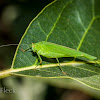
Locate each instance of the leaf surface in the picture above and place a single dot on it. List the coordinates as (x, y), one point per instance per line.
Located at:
(71, 23)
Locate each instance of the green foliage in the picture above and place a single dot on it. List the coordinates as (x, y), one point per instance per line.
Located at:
(71, 23)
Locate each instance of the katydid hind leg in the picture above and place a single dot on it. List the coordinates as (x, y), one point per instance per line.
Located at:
(60, 67)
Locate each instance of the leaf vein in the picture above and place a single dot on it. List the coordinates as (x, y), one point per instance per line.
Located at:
(57, 20)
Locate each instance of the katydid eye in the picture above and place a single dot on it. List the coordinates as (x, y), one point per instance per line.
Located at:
(33, 45)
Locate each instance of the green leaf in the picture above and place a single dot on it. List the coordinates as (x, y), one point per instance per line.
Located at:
(71, 23)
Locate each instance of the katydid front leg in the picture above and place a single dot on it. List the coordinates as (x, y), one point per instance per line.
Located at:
(39, 57)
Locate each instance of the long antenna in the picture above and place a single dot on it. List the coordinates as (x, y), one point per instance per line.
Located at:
(11, 45)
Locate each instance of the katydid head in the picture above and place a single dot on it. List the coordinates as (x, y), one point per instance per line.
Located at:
(33, 47)
(36, 47)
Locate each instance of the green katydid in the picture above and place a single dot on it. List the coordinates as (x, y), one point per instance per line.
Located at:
(51, 50)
